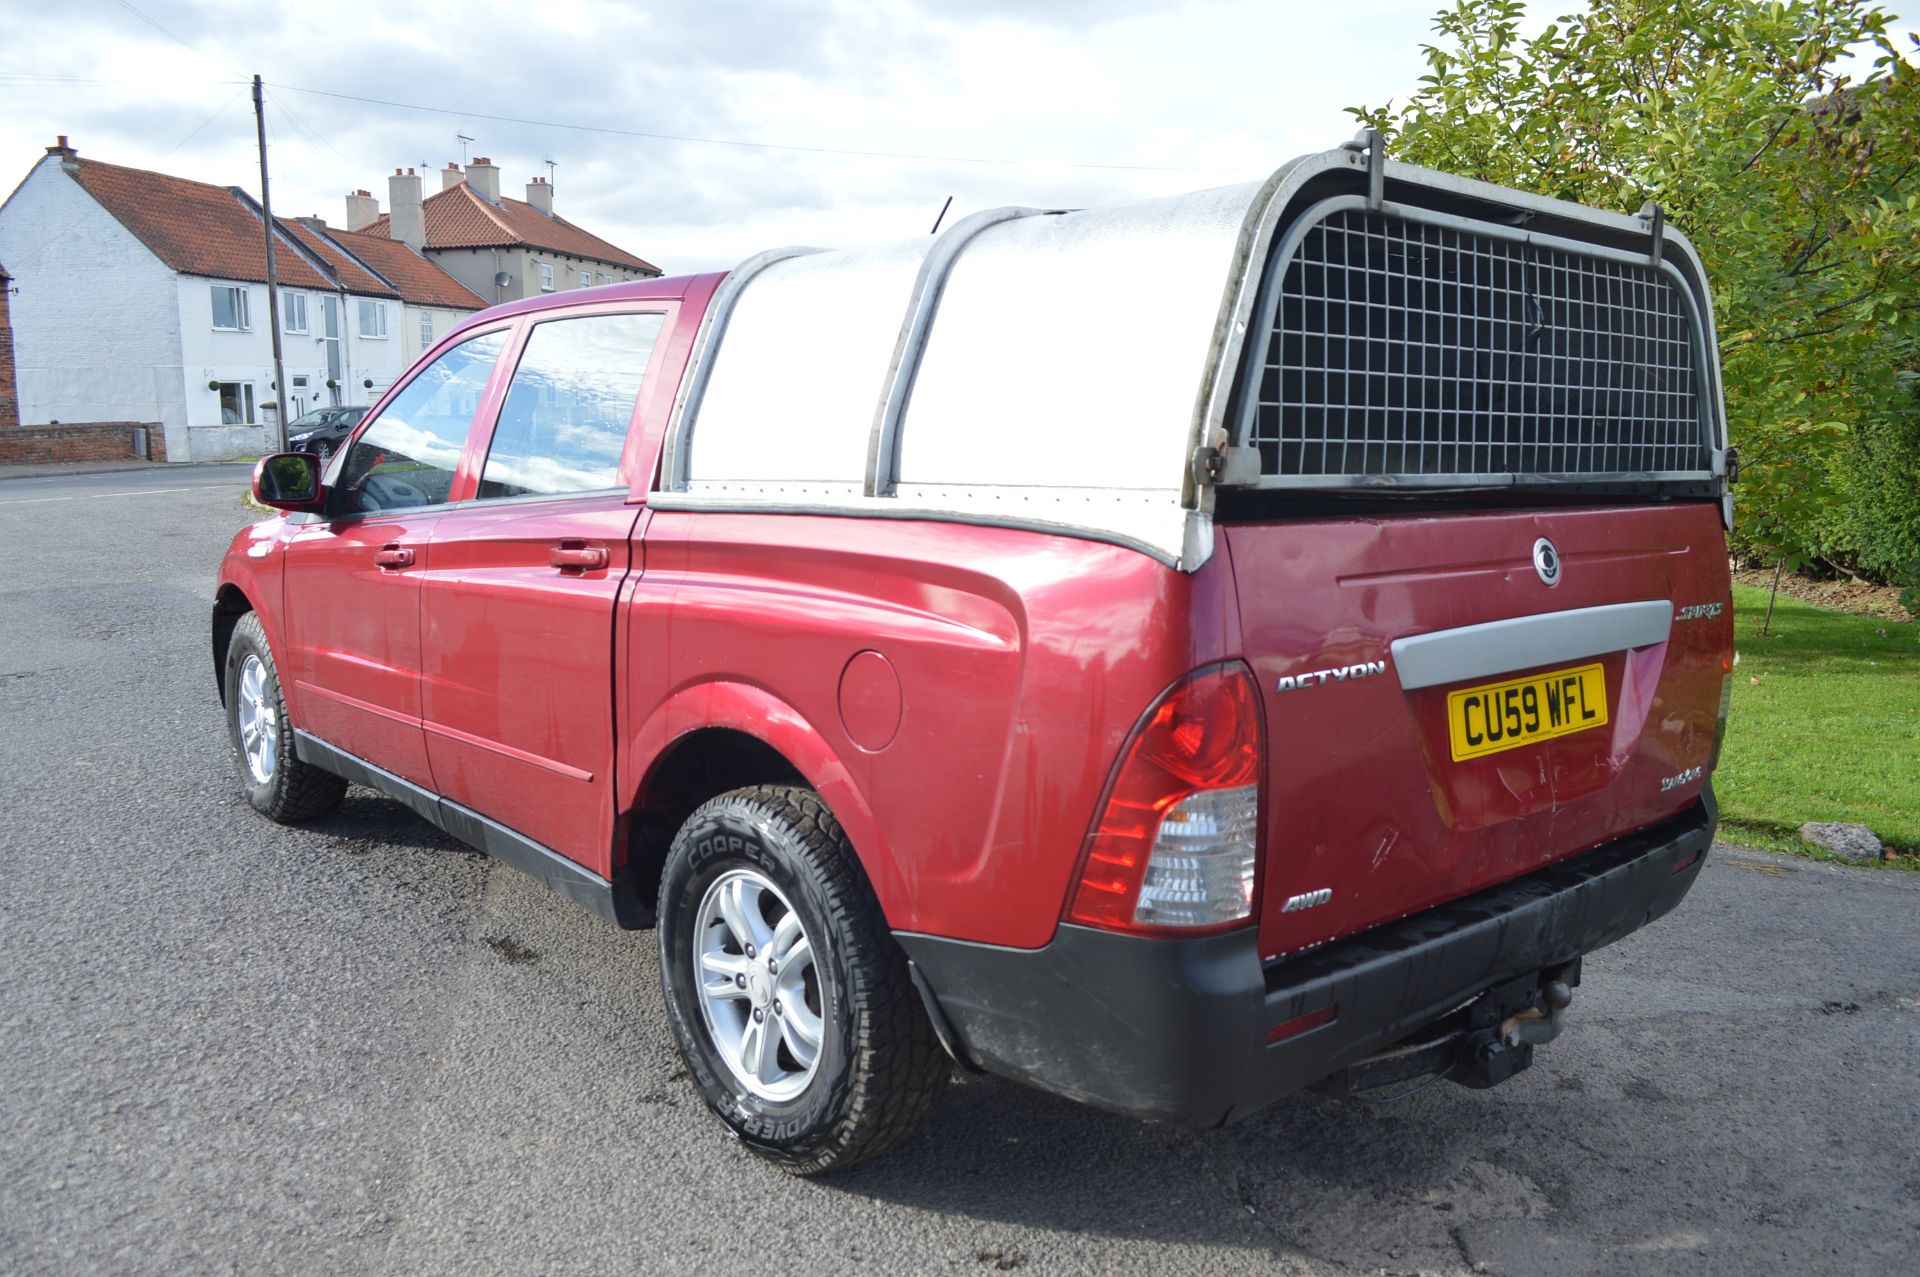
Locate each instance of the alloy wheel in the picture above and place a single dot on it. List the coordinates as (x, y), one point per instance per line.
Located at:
(759, 985)
(259, 721)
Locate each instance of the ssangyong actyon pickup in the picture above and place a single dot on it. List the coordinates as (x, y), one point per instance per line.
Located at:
(1173, 655)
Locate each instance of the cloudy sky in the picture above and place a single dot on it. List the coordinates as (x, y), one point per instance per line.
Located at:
(824, 121)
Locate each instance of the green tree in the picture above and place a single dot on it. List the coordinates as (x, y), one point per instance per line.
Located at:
(1794, 177)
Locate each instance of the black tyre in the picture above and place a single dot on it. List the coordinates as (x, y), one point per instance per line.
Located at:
(790, 1000)
(279, 785)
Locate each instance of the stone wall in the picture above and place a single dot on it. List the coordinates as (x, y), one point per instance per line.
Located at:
(91, 441)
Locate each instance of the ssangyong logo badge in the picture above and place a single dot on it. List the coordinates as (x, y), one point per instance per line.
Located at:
(1546, 561)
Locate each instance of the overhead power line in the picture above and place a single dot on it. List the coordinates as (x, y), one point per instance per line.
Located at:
(156, 26)
(733, 142)
(203, 124)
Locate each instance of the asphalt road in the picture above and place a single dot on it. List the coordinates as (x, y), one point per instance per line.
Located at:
(357, 1047)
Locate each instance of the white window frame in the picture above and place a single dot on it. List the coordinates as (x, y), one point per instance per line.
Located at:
(586, 279)
(546, 277)
(605, 278)
(372, 306)
(289, 303)
(426, 330)
(241, 313)
(243, 392)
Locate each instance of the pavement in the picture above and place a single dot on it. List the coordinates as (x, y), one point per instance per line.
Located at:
(356, 1047)
(68, 469)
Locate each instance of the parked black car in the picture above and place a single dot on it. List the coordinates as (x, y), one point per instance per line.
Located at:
(324, 429)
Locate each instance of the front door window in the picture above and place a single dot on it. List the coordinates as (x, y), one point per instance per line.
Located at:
(407, 457)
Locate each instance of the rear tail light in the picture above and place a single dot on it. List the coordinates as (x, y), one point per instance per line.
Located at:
(1176, 842)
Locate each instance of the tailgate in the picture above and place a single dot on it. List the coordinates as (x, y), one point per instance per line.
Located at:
(1440, 719)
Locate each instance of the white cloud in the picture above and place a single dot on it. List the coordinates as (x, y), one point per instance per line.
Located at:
(1198, 94)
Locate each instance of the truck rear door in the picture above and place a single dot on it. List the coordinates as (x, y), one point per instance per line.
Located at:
(1449, 706)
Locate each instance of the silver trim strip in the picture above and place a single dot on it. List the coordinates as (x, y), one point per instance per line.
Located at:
(713, 327)
(1524, 642)
(883, 445)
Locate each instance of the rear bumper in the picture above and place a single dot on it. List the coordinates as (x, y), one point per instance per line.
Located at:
(1176, 1030)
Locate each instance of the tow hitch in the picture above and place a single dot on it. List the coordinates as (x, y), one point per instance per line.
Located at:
(1481, 1044)
(1504, 1024)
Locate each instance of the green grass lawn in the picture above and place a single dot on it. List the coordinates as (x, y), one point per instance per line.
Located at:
(1824, 725)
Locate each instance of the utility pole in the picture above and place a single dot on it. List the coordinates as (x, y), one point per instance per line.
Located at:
(279, 439)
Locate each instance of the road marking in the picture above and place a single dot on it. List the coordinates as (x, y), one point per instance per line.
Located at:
(136, 492)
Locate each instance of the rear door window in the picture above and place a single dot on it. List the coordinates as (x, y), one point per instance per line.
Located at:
(407, 457)
(564, 424)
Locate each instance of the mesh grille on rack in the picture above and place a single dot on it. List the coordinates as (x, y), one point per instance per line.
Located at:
(1407, 350)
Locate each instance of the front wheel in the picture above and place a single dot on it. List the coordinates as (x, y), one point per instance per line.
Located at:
(790, 1001)
(278, 785)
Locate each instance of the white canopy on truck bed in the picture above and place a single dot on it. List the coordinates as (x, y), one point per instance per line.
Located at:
(1082, 371)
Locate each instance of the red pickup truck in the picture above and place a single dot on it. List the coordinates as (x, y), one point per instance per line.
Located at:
(1172, 655)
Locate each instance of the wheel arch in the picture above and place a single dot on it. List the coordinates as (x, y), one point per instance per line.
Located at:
(718, 736)
(230, 603)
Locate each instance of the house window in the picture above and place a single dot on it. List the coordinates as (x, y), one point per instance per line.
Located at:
(546, 278)
(373, 319)
(293, 312)
(230, 307)
(426, 329)
(236, 402)
(605, 278)
(586, 279)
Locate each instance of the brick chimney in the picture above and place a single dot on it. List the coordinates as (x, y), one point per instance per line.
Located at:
(451, 176)
(69, 158)
(361, 209)
(540, 195)
(406, 221)
(483, 175)
(313, 222)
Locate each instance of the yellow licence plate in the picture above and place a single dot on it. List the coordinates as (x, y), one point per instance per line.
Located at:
(1496, 716)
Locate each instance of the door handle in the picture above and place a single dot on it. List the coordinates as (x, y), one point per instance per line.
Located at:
(393, 556)
(573, 556)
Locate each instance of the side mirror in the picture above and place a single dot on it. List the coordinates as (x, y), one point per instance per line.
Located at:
(288, 481)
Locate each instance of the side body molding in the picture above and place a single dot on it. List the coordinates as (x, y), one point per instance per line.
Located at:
(1523, 642)
(613, 899)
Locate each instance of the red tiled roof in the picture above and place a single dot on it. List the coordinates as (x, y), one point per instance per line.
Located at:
(193, 227)
(458, 218)
(353, 276)
(419, 280)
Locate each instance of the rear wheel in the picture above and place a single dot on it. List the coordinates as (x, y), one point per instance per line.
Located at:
(278, 785)
(790, 1000)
